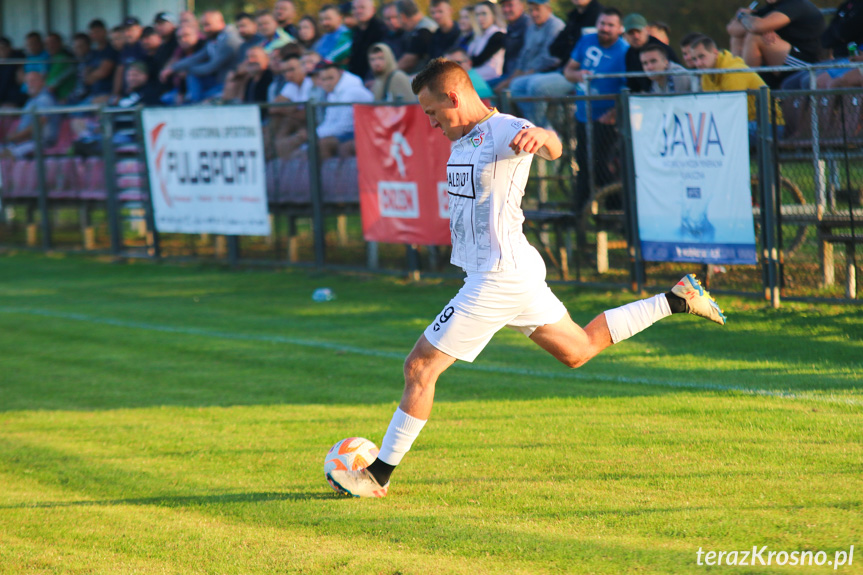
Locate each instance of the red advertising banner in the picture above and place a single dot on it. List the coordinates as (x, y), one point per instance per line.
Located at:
(402, 175)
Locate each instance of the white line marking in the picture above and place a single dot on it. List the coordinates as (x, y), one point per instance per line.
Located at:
(317, 344)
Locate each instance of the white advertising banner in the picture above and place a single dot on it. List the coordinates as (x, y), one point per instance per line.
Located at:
(206, 169)
(692, 178)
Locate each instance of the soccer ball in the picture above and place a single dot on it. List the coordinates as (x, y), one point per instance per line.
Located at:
(351, 453)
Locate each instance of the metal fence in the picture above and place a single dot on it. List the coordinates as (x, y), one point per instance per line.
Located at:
(92, 195)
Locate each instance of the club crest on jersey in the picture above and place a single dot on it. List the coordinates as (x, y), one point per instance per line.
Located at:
(477, 140)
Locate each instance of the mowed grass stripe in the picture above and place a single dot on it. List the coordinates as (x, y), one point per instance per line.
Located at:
(481, 367)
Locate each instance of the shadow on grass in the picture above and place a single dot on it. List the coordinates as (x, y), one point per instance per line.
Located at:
(184, 500)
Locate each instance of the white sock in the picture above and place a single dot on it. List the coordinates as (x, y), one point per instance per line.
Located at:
(626, 321)
(400, 435)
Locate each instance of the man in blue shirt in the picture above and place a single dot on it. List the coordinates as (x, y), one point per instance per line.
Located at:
(600, 53)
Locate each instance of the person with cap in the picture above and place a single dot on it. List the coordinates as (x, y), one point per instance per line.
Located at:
(635, 31)
(369, 31)
(132, 51)
(535, 57)
(207, 69)
(165, 24)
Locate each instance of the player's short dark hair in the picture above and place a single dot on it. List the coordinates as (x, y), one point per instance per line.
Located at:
(611, 11)
(243, 16)
(407, 8)
(687, 40)
(432, 77)
(660, 48)
(704, 41)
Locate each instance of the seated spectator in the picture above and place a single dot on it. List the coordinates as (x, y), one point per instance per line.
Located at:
(447, 34)
(347, 12)
(660, 31)
(851, 78)
(165, 24)
(247, 28)
(845, 28)
(335, 43)
(582, 17)
(187, 18)
(60, 79)
(686, 48)
(535, 57)
(36, 55)
(11, 95)
(99, 66)
(139, 91)
(395, 34)
(666, 77)
(132, 51)
(369, 31)
(635, 32)
(307, 32)
(600, 53)
(336, 132)
(311, 59)
(285, 13)
(274, 36)
(418, 34)
(784, 32)
(390, 84)
(467, 27)
(117, 40)
(259, 76)
(708, 57)
(285, 121)
(20, 143)
(460, 57)
(207, 69)
(517, 22)
(189, 42)
(81, 52)
(486, 51)
(151, 42)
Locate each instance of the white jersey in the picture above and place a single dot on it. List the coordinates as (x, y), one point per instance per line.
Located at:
(485, 181)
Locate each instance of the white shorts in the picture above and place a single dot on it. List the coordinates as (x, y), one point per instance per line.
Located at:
(490, 301)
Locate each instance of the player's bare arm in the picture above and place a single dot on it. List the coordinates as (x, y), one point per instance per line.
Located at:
(544, 143)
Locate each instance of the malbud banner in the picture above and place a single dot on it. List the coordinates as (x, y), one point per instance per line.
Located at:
(692, 178)
(402, 176)
(206, 170)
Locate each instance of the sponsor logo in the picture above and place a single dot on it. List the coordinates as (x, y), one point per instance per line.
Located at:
(460, 180)
(477, 140)
(443, 200)
(398, 200)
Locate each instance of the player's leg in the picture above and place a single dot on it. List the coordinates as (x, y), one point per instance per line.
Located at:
(574, 346)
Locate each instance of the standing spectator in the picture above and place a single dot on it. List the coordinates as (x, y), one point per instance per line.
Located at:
(60, 79)
(247, 28)
(395, 34)
(165, 24)
(151, 42)
(516, 30)
(207, 69)
(307, 32)
(100, 64)
(285, 13)
(460, 57)
(189, 42)
(117, 40)
(10, 88)
(486, 51)
(132, 52)
(20, 142)
(467, 27)
(335, 43)
(369, 31)
(418, 33)
(447, 34)
(636, 33)
(782, 32)
(274, 36)
(668, 77)
(600, 53)
(81, 51)
(535, 57)
(583, 16)
(391, 84)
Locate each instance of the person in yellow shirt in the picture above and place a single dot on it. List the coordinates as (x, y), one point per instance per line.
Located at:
(706, 56)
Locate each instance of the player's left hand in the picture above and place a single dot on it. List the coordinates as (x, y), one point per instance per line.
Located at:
(529, 140)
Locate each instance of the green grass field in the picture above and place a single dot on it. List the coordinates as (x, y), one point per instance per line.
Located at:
(170, 419)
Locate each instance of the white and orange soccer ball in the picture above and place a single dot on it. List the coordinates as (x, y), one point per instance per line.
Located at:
(351, 453)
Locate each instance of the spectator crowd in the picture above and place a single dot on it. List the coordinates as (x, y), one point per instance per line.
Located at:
(359, 52)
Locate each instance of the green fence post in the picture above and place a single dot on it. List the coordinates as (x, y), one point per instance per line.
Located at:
(768, 195)
(315, 183)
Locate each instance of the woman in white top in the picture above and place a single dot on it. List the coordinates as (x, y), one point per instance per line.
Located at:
(487, 49)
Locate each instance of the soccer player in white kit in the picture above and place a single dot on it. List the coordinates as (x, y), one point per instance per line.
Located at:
(505, 285)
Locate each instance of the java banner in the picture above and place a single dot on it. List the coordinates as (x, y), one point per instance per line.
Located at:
(692, 178)
(206, 170)
(402, 176)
